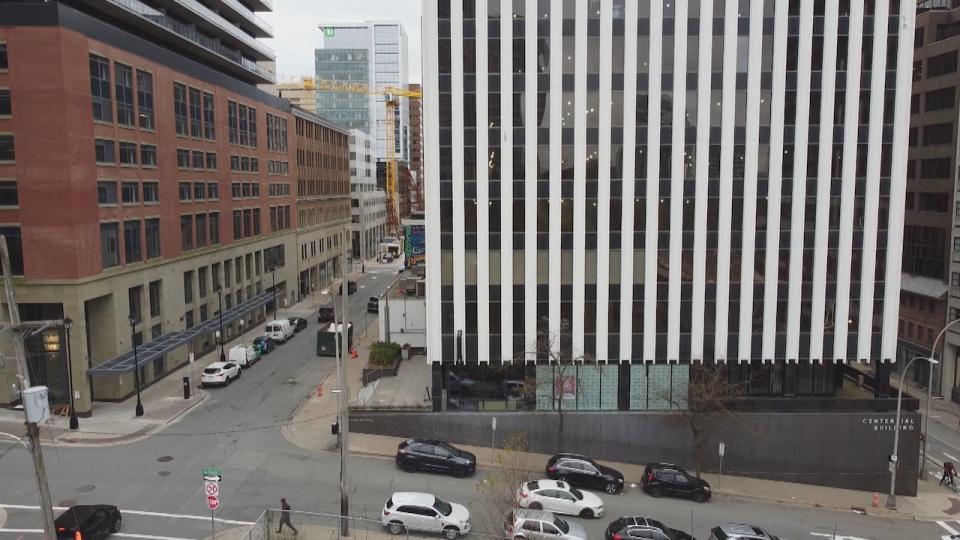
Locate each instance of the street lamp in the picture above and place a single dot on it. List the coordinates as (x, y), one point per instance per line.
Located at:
(242, 342)
(926, 417)
(273, 274)
(74, 423)
(892, 496)
(223, 357)
(136, 364)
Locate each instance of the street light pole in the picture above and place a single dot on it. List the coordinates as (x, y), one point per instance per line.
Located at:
(136, 364)
(220, 334)
(273, 273)
(892, 496)
(74, 423)
(926, 416)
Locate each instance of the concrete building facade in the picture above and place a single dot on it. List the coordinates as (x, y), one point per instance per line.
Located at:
(297, 93)
(416, 151)
(658, 184)
(368, 202)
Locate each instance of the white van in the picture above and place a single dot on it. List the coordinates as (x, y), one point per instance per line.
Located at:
(279, 330)
(244, 355)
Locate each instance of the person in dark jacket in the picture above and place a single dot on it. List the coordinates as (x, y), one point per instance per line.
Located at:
(949, 471)
(285, 517)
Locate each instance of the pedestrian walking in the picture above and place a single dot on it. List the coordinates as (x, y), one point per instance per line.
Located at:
(949, 472)
(285, 517)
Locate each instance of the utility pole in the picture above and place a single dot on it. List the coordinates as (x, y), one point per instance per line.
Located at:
(344, 398)
(33, 431)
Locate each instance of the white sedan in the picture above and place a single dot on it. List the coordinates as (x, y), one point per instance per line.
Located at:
(220, 373)
(559, 497)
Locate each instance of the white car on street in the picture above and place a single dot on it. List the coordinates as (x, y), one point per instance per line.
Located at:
(220, 373)
(559, 497)
(408, 511)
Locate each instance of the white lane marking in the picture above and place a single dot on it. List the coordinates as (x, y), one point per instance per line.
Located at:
(951, 457)
(838, 537)
(139, 513)
(946, 527)
(124, 535)
(943, 442)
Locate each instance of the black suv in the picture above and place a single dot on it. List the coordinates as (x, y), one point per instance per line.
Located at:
(581, 471)
(432, 455)
(661, 479)
(93, 522)
(298, 323)
(638, 527)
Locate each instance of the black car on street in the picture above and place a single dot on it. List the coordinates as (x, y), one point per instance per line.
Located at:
(642, 528)
(437, 456)
(298, 323)
(661, 479)
(583, 472)
(93, 522)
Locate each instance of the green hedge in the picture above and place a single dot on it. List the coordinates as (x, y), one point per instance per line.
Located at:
(383, 353)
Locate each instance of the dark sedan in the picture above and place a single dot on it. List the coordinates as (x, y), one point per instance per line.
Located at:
(583, 472)
(264, 344)
(642, 528)
(298, 323)
(88, 522)
(661, 479)
(437, 456)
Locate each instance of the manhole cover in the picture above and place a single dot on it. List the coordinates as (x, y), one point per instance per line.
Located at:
(68, 502)
(87, 488)
(164, 473)
(164, 459)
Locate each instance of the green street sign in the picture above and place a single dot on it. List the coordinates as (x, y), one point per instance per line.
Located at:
(328, 31)
(211, 471)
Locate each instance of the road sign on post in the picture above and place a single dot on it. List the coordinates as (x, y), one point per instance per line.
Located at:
(211, 492)
(722, 450)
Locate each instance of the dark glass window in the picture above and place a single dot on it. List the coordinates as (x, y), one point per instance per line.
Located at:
(153, 238)
(15, 247)
(148, 155)
(215, 229)
(232, 122)
(938, 100)
(7, 149)
(131, 241)
(109, 244)
(124, 78)
(209, 129)
(8, 193)
(107, 193)
(100, 88)
(104, 151)
(196, 124)
(151, 192)
(130, 192)
(942, 64)
(183, 158)
(4, 64)
(6, 107)
(128, 153)
(186, 233)
(180, 108)
(184, 189)
(145, 99)
(212, 161)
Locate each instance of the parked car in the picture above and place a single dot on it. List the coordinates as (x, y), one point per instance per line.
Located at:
(373, 305)
(459, 383)
(279, 330)
(243, 355)
(326, 314)
(351, 287)
(220, 374)
(423, 512)
(736, 531)
(642, 528)
(264, 344)
(540, 525)
(387, 258)
(432, 455)
(298, 324)
(512, 387)
(581, 471)
(661, 479)
(559, 497)
(91, 521)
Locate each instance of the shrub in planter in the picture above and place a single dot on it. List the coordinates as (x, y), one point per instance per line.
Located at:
(383, 353)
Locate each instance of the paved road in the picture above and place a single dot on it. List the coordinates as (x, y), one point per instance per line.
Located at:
(235, 429)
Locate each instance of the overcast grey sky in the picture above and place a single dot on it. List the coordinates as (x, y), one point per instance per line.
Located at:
(295, 27)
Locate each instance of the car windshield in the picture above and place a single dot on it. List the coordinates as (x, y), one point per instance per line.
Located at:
(562, 525)
(577, 493)
(443, 507)
(211, 370)
(452, 450)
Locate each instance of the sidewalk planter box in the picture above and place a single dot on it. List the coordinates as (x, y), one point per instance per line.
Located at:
(374, 373)
(383, 361)
(328, 337)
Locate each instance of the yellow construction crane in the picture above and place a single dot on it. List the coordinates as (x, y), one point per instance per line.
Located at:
(391, 100)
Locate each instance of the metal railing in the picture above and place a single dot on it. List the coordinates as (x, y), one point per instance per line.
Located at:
(217, 20)
(246, 13)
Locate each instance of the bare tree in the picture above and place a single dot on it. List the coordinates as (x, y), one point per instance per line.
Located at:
(561, 386)
(498, 488)
(706, 405)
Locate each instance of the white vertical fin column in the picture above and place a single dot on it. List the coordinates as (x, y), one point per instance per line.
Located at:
(629, 176)
(456, 94)
(821, 245)
(677, 172)
(650, 259)
(530, 182)
(556, 111)
(580, 176)
(431, 138)
(872, 196)
(603, 177)
(849, 179)
(775, 188)
(703, 174)
(483, 188)
(755, 40)
(898, 174)
(506, 180)
(801, 136)
(728, 116)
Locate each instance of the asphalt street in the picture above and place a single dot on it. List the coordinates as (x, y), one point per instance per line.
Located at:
(157, 482)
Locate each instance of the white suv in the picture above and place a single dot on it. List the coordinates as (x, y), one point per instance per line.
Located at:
(558, 496)
(412, 511)
(525, 524)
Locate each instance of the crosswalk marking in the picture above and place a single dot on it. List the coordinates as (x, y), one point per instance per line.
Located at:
(947, 528)
(122, 535)
(138, 513)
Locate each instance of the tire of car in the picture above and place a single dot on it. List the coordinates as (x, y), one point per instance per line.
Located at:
(116, 524)
(612, 488)
(700, 497)
(460, 471)
(656, 492)
(396, 527)
(536, 506)
(586, 513)
(451, 532)
(409, 466)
